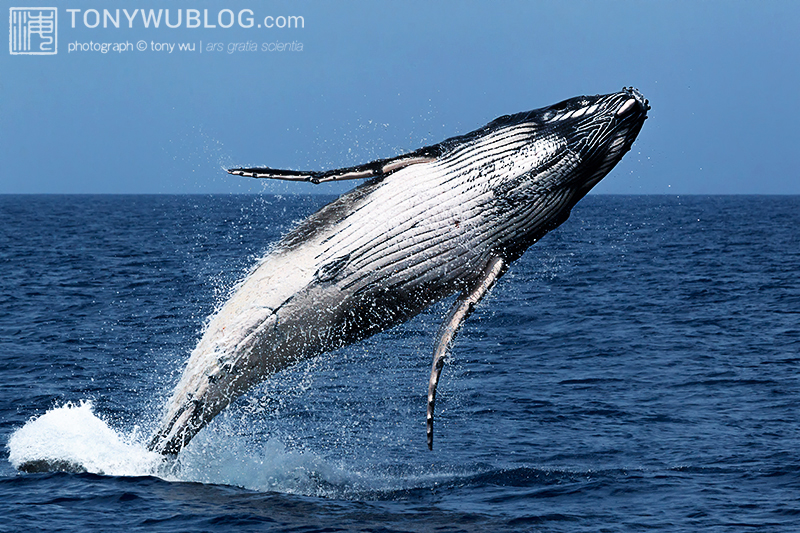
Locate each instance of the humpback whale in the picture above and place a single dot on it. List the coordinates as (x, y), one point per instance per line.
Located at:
(444, 219)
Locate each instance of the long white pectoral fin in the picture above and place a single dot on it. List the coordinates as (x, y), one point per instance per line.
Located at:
(461, 309)
(376, 169)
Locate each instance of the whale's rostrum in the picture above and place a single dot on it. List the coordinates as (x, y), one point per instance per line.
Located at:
(444, 219)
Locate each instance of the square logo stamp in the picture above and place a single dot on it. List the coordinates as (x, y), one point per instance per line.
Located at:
(33, 30)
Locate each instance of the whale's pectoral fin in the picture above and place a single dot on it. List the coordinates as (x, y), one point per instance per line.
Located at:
(376, 169)
(461, 309)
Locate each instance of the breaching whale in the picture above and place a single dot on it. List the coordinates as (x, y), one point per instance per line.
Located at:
(444, 219)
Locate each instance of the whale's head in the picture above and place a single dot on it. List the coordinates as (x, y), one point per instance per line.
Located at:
(553, 156)
(596, 131)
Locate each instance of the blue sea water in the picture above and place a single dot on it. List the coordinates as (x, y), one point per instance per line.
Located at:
(635, 370)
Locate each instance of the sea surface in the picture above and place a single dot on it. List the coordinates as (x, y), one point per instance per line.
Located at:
(636, 370)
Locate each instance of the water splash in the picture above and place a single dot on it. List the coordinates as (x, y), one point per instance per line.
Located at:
(72, 438)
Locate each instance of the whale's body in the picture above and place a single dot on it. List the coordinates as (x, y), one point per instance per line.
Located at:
(447, 218)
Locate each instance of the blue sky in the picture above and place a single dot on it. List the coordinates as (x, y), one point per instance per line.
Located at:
(375, 79)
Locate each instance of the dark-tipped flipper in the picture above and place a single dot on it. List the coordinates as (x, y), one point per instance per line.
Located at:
(461, 309)
(376, 169)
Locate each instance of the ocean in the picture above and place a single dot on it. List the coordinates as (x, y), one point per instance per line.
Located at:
(635, 370)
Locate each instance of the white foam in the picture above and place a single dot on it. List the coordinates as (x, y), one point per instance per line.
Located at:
(73, 435)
